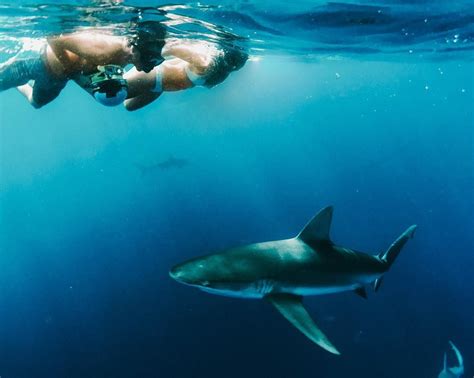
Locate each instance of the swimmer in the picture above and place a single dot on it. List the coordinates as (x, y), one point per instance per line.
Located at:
(93, 59)
(187, 64)
(455, 371)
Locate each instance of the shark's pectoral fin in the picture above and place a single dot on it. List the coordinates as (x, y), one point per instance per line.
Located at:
(291, 307)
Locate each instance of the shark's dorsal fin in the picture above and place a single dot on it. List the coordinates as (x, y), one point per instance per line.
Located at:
(317, 229)
(291, 307)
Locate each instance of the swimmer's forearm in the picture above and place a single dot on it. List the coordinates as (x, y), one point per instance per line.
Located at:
(177, 51)
(139, 102)
(185, 53)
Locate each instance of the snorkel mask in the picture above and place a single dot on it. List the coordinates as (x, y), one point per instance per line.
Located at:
(149, 61)
(108, 85)
(148, 40)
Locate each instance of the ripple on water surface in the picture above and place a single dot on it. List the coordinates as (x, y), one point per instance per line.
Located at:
(388, 30)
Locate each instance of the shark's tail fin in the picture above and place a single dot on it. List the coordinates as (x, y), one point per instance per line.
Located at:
(456, 370)
(391, 254)
(394, 250)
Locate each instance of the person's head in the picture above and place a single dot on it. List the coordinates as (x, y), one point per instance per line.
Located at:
(108, 85)
(147, 42)
(232, 59)
(235, 58)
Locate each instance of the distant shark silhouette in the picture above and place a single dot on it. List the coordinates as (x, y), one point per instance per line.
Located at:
(456, 371)
(284, 271)
(170, 163)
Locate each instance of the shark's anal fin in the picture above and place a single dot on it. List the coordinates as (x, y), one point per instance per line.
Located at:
(317, 229)
(291, 307)
(360, 291)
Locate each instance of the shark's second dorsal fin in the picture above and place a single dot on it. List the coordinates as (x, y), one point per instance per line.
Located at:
(317, 229)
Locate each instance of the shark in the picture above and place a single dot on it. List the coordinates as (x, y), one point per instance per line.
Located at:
(170, 163)
(284, 271)
(455, 371)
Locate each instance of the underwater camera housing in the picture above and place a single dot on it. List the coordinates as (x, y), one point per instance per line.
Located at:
(108, 85)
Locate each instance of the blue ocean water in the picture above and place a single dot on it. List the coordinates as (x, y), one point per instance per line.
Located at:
(337, 107)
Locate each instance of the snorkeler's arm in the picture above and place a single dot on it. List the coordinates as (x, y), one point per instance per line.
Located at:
(171, 73)
(142, 87)
(91, 46)
(198, 63)
(139, 102)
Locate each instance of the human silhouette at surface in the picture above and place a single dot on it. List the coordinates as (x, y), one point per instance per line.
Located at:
(188, 63)
(93, 59)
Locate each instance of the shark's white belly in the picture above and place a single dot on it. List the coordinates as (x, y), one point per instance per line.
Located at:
(304, 291)
(263, 287)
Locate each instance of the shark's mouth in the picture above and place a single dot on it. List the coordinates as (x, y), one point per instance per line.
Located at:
(231, 293)
(235, 289)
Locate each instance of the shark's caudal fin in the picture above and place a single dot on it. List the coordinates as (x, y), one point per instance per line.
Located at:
(394, 250)
(456, 370)
(291, 307)
(317, 229)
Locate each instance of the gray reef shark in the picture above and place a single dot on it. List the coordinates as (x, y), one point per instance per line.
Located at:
(284, 271)
(455, 371)
(170, 163)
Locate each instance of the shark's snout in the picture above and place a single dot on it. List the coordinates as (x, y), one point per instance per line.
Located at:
(175, 274)
(191, 273)
(182, 274)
